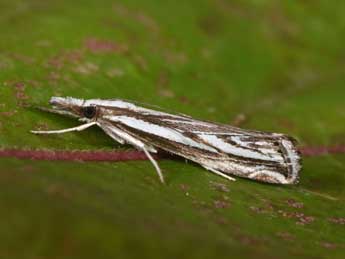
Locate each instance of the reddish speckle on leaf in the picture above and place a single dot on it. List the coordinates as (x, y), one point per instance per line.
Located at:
(86, 68)
(248, 240)
(257, 210)
(184, 99)
(184, 187)
(19, 85)
(53, 76)
(219, 187)
(285, 235)
(239, 119)
(222, 220)
(301, 218)
(33, 83)
(140, 62)
(148, 22)
(23, 58)
(220, 204)
(163, 85)
(138, 16)
(19, 93)
(335, 220)
(287, 124)
(57, 190)
(328, 245)
(115, 72)
(294, 204)
(99, 46)
(43, 43)
(175, 57)
(166, 93)
(7, 114)
(65, 57)
(322, 150)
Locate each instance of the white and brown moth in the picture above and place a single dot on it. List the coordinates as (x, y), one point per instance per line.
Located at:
(221, 149)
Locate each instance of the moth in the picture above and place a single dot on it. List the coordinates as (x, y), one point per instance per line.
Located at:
(222, 149)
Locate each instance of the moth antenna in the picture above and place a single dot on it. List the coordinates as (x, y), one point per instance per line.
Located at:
(52, 110)
(78, 128)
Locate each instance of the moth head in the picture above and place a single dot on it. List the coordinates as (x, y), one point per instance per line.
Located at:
(72, 107)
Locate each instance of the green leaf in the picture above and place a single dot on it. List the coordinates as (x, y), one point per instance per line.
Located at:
(277, 65)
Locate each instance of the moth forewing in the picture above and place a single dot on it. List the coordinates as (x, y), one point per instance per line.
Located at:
(256, 155)
(221, 149)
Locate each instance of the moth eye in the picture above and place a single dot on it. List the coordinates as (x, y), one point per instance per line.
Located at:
(89, 112)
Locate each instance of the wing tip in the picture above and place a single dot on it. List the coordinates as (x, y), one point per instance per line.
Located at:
(293, 159)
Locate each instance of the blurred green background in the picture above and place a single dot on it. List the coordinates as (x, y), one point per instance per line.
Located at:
(268, 65)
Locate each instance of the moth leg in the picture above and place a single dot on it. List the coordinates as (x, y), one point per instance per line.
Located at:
(155, 164)
(112, 134)
(120, 134)
(78, 128)
(219, 173)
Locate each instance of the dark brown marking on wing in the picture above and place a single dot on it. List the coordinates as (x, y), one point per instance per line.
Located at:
(184, 125)
(194, 153)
